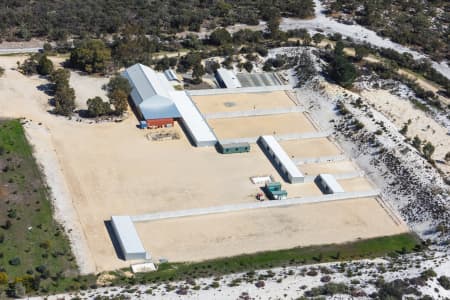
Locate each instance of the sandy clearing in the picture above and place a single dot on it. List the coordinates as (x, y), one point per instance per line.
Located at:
(357, 184)
(111, 168)
(399, 111)
(86, 87)
(245, 101)
(337, 167)
(261, 125)
(197, 238)
(306, 148)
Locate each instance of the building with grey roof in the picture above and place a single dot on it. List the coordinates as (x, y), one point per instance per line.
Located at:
(227, 78)
(150, 94)
(328, 184)
(129, 241)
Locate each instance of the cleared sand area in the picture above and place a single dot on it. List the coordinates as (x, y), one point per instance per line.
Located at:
(400, 111)
(113, 169)
(261, 125)
(357, 184)
(246, 101)
(308, 148)
(337, 167)
(203, 237)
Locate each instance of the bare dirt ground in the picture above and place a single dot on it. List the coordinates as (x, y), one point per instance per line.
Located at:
(104, 169)
(261, 125)
(399, 111)
(357, 184)
(238, 102)
(87, 87)
(337, 167)
(198, 238)
(308, 148)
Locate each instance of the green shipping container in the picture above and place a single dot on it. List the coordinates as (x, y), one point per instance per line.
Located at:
(273, 186)
(278, 195)
(234, 148)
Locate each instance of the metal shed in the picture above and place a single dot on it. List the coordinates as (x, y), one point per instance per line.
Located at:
(150, 93)
(280, 159)
(227, 78)
(233, 148)
(328, 184)
(129, 241)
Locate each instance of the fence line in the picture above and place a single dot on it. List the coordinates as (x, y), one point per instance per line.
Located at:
(252, 205)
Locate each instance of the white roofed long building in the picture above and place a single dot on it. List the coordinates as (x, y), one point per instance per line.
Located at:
(281, 160)
(150, 95)
(159, 104)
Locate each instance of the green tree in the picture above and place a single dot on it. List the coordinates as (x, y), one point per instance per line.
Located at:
(220, 37)
(91, 56)
(447, 157)
(361, 52)
(197, 73)
(416, 142)
(97, 108)
(118, 83)
(342, 71)
(273, 27)
(339, 48)
(29, 66)
(318, 37)
(305, 69)
(60, 77)
(119, 99)
(45, 66)
(248, 66)
(64, 100)
(428, 150)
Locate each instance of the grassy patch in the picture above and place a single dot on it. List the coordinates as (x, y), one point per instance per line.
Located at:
(297, 256)
(32, 243)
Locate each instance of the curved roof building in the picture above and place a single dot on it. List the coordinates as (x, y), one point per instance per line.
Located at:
(150, 93)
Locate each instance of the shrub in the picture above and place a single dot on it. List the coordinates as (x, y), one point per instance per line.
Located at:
(3, 278)
(427, 274)
(444, 281)
(14, 261)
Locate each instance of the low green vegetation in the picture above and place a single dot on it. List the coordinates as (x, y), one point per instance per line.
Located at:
(34, 250)
(341, 69)
(35, 256)
(36, 64)
(375, 247)
(64, 100)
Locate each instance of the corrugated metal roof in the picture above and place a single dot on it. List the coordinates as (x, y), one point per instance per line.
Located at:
(332, 183)
(127, 235)
(229, 78)
(288, 164)
(170, 74)
(151, 92)
(193, 119)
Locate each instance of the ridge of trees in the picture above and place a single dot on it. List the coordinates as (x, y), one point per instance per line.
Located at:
(60, 19)
(422, 24)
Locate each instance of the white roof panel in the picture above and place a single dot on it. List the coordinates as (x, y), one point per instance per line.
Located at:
(150, 92)
(192, 118)
(229, 78)
(332, 183)
(127, 234)
(288, 164)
